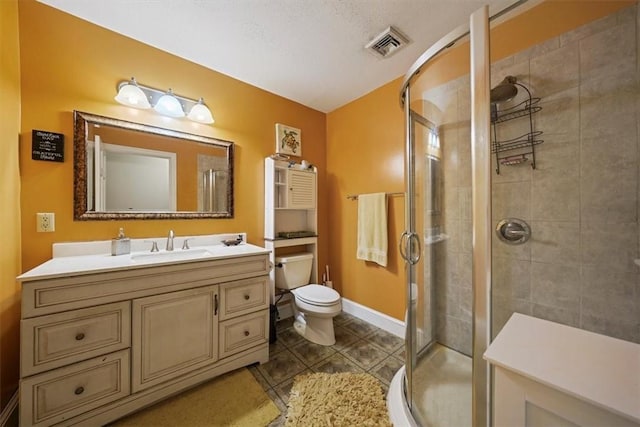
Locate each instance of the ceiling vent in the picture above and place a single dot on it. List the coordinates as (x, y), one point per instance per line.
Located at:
(387, 42)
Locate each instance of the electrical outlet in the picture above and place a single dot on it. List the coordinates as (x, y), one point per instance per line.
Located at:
(45, 222)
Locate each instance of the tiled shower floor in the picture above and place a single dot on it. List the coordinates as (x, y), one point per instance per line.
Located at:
(359, 347)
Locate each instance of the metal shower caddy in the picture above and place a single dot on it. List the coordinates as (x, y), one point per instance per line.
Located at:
(524, 143)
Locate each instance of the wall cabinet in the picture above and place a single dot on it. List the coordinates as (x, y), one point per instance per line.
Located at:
(97, 346)
(290, 201)
(294, 189)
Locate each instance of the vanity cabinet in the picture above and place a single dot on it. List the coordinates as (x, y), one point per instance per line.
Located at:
(99, 345)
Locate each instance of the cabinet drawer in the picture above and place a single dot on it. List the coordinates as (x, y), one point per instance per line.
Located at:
(60, 339)
(243, 296)
(58, 395)
(243, 333)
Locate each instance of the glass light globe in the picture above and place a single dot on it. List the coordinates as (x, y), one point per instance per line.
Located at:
(168, 105)
(131, 95)
(200, 113)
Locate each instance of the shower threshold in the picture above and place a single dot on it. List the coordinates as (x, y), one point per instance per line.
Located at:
(441, 391)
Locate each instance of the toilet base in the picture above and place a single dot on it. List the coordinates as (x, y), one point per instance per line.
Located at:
(315, 329)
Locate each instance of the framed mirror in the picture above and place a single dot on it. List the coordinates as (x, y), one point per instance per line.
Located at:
(127, 170)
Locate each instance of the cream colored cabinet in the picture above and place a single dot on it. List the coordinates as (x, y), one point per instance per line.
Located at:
(100, 345)
(173, 333)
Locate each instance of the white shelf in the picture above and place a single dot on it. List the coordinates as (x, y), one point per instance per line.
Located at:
(283, 243)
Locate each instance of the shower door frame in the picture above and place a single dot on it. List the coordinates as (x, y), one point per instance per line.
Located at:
(479, 33)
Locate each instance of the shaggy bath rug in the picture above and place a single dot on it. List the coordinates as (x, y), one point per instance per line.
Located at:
(342, 399)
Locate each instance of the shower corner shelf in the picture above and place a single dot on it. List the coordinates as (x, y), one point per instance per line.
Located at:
(524, 143)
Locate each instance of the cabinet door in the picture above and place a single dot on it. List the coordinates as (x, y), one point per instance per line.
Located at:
(302, 189)
(172, 334)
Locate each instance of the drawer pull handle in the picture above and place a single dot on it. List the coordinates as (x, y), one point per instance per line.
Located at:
(246, 297)
(80, 336)
(79, 390)
(246, 333)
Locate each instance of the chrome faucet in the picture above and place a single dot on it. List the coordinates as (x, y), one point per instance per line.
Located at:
(170, 240)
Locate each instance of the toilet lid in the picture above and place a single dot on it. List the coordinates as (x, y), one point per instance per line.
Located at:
(317, 295)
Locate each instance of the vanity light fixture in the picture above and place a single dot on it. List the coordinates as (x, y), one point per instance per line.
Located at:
(200, 113)
(132, 94)
(168, 105)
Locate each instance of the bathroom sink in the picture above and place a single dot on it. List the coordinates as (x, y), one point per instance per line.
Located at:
(176, 255)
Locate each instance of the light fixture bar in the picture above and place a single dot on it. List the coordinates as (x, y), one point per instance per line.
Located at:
(153, 95)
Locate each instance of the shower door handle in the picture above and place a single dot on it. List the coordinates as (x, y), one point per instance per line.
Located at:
(406, 241)
(413, 237)
(403, 244)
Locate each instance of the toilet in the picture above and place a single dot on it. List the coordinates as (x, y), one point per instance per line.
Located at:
(314, 306)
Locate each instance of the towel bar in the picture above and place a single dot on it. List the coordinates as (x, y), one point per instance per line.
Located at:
(355, 196)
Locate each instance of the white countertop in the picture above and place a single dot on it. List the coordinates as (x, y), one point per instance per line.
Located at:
(95, 257)
(595, 368)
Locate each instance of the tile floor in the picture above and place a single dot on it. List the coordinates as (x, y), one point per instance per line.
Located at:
(359, 347)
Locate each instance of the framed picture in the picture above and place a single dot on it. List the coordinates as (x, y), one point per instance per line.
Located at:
(288, 140)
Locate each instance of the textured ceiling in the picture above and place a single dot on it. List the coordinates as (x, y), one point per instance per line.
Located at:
(309, 51)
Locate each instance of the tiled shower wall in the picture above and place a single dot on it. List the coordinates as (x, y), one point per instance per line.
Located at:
(581, 201)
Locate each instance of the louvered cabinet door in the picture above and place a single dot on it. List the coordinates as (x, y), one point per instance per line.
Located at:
(301, 190)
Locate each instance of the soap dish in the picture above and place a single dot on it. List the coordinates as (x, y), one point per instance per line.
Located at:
(231, 242)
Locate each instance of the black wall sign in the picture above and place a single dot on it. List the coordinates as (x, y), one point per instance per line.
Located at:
(47, 146)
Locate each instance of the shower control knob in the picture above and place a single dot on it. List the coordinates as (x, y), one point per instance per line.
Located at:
(513, 231)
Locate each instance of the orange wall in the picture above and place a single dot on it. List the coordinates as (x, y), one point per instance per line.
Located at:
(69, 64)
(365, 149)
(9, 199)
(365, 154)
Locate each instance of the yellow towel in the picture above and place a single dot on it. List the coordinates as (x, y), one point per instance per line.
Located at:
(372, 228)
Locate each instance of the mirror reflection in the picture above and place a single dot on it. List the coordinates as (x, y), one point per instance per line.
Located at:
(128, 170)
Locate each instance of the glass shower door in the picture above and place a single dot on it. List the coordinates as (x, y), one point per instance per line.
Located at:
(439, 177)
(439, 237)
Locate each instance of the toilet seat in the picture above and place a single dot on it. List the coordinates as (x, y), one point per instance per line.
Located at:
(317, 295)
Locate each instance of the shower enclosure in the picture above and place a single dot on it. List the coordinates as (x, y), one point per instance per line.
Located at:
(521, 198)
(214, 191)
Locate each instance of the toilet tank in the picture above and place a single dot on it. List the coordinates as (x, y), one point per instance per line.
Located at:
(293, 270)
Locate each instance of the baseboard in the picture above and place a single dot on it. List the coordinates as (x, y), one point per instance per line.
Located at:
(7, 412)
(381, 320)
